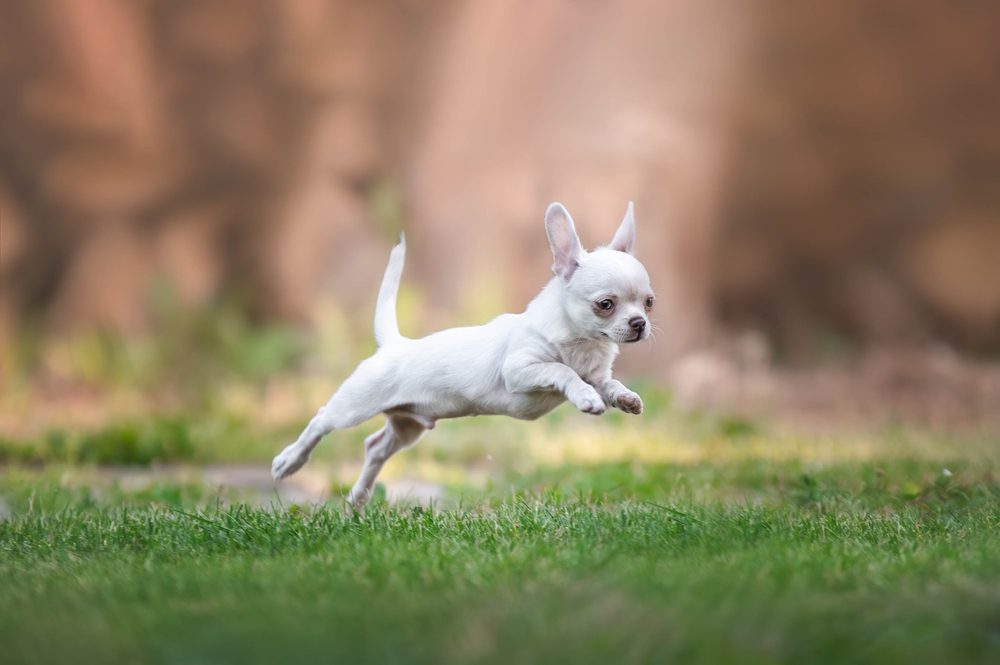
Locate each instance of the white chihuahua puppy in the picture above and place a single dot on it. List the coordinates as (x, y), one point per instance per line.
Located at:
(522, 365)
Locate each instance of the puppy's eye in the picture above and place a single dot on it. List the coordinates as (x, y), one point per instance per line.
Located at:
(649, 302)
(607, 304)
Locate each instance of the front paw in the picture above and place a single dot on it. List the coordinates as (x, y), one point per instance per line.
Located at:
(587, 400)
(629, 402)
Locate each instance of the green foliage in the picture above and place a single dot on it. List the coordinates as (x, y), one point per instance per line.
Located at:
(386, 202)
(158, 439)
(165, 439)
(735, 427)
(191, 354)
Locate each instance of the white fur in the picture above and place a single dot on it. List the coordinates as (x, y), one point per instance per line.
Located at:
(522, 365)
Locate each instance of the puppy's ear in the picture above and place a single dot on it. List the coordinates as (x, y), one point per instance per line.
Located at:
(624, 240)
(565, 244)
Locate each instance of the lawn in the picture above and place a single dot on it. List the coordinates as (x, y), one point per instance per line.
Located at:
(619, 540)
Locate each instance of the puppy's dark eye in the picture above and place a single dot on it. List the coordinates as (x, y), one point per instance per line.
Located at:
(649, 302)
(607, 304)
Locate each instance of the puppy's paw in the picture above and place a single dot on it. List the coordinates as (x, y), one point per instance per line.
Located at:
(288, 462)
(587, 400)
(357, 499)
(629, 402)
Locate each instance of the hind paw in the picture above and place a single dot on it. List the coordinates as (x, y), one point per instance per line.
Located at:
(288, 462)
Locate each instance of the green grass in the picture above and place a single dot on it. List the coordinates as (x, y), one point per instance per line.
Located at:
(674, 537)
(570, 576)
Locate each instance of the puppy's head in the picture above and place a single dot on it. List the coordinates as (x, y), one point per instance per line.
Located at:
(607, 292)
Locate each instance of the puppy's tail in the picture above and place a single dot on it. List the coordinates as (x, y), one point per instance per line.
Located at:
(386, 326)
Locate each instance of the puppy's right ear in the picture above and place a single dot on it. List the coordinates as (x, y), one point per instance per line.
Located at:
(565, 244)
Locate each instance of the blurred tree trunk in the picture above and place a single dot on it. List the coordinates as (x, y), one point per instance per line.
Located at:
(798, 169)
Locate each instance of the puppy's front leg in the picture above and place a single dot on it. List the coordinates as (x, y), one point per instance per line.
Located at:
(617, 395)
(523, 378)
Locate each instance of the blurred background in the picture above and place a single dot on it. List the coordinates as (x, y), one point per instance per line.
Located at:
(196, 193)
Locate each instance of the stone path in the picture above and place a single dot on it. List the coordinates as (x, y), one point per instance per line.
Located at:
(253, 484)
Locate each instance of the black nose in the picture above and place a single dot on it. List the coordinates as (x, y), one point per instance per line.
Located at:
(637, 323)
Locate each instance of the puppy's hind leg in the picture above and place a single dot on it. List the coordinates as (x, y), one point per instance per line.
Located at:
(400, 431)
(347, 408)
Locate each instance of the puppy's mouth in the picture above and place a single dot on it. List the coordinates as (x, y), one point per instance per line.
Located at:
(637, 337)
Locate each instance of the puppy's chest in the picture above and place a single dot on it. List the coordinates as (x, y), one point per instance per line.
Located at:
(587, 359)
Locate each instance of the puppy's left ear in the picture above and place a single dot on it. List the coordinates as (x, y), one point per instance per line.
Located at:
(624, 240)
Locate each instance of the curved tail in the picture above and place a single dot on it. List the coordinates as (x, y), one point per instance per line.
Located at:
(386, 326)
